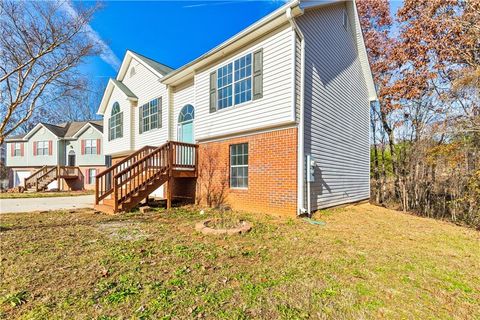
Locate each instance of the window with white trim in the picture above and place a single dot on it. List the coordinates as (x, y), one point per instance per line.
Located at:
(115, 123)
(243, 79)
(239, 165)
(234, 82)
(42, 148)
(150, 116)
(17, 149)
(91, 146)
(91, 175)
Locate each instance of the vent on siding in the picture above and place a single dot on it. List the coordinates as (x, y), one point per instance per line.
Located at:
(132, 72)
(345, 19)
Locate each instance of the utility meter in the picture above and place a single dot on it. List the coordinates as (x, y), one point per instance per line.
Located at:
(310, 169)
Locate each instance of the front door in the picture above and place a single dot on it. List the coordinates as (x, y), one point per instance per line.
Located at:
(71, 159)
(185, 155)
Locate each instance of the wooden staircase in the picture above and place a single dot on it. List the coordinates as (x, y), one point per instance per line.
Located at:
(124, 185)
(41, 178)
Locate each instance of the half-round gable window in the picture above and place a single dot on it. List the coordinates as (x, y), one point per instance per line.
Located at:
(115, 108)
(187, 114)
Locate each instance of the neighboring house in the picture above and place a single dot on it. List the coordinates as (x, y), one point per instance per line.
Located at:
(3, 168)
(75, 149)
(292, 87)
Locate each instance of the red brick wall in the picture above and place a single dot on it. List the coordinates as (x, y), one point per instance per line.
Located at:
(272, 173)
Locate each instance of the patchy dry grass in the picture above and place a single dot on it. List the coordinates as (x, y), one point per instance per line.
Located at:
(47, 194)
(366, 262)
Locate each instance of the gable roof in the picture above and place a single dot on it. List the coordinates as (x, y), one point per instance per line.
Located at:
(108, 93)
(159, 67)
(120, 85)
(267, 24)
(64, 130)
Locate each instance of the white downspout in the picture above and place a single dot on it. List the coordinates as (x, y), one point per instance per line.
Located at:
(301, 150)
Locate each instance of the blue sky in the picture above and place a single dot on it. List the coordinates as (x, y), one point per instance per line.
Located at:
(171, 32)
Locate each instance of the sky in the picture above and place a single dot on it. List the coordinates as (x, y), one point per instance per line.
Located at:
(171, 32)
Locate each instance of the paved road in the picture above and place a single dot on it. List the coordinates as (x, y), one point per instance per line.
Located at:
(45, 204)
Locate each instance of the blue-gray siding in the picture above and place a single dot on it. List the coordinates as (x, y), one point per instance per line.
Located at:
(336, 109)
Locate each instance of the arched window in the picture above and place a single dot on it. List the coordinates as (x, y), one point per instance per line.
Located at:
(115, 123)
(187, 114)
(115, 108)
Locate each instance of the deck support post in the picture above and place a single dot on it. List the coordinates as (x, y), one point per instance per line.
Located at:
(169, 192)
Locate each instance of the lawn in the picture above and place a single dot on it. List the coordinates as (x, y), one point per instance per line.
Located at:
(366, 262)
(47, 194)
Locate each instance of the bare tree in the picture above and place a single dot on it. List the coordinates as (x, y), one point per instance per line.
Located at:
(41, 46)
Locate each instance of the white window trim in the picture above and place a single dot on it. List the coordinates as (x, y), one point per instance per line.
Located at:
(237, 166)
(159, 119)
(15, 149)
(45, 147)
(233, 82)
(120, 124)
(93, 145)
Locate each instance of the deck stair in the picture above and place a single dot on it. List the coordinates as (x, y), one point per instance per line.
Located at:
(125, 184)
(41, 178)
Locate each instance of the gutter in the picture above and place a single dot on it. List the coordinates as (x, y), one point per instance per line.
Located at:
(300, 138)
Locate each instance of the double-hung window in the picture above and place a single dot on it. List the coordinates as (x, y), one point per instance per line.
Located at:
(150, 115)
(91, 175)
(239, 165)
(115, 123)
(17, 151)
(91, 146)
(234, 82)
(243, 79)
(42, 148)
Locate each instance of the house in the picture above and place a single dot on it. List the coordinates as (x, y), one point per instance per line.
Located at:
(66, 156)
(274, 119)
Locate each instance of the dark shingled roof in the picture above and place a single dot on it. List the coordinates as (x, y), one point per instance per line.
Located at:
(64, 130)
(160, 67)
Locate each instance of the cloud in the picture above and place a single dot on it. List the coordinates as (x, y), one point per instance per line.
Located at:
(107, 54)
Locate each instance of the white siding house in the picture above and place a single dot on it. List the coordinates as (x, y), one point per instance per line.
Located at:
(302, 67)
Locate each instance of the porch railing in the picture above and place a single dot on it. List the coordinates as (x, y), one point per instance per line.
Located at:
(104, 179)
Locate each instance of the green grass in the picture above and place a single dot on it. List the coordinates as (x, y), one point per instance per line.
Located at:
(48, 194)
(366, 262)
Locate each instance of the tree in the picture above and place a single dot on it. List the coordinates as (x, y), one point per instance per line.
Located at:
(41, 45)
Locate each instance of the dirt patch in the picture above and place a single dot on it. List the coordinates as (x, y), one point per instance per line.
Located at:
(123, 230)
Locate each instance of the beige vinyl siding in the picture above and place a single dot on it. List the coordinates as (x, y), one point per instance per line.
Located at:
(123, 144)
(183, 95)
(146, 86)
(336, 109)
(275, 108)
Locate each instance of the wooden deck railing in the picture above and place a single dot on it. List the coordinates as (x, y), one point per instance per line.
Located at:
(48, 173)
(162, 161)
(104, 180)
(32, 180)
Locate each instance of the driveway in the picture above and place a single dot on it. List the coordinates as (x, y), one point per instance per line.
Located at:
(45, 204)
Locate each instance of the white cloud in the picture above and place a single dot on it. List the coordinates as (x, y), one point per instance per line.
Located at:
(107, 54)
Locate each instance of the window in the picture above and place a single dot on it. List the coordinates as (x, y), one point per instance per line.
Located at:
(115, 123)
(150, 115)
(187, 114)
(90, 146)
(42, 148)
(91, 175)
(17, 150)
(239, 165)
(239, 86)
(224, 84)
(243, 79)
